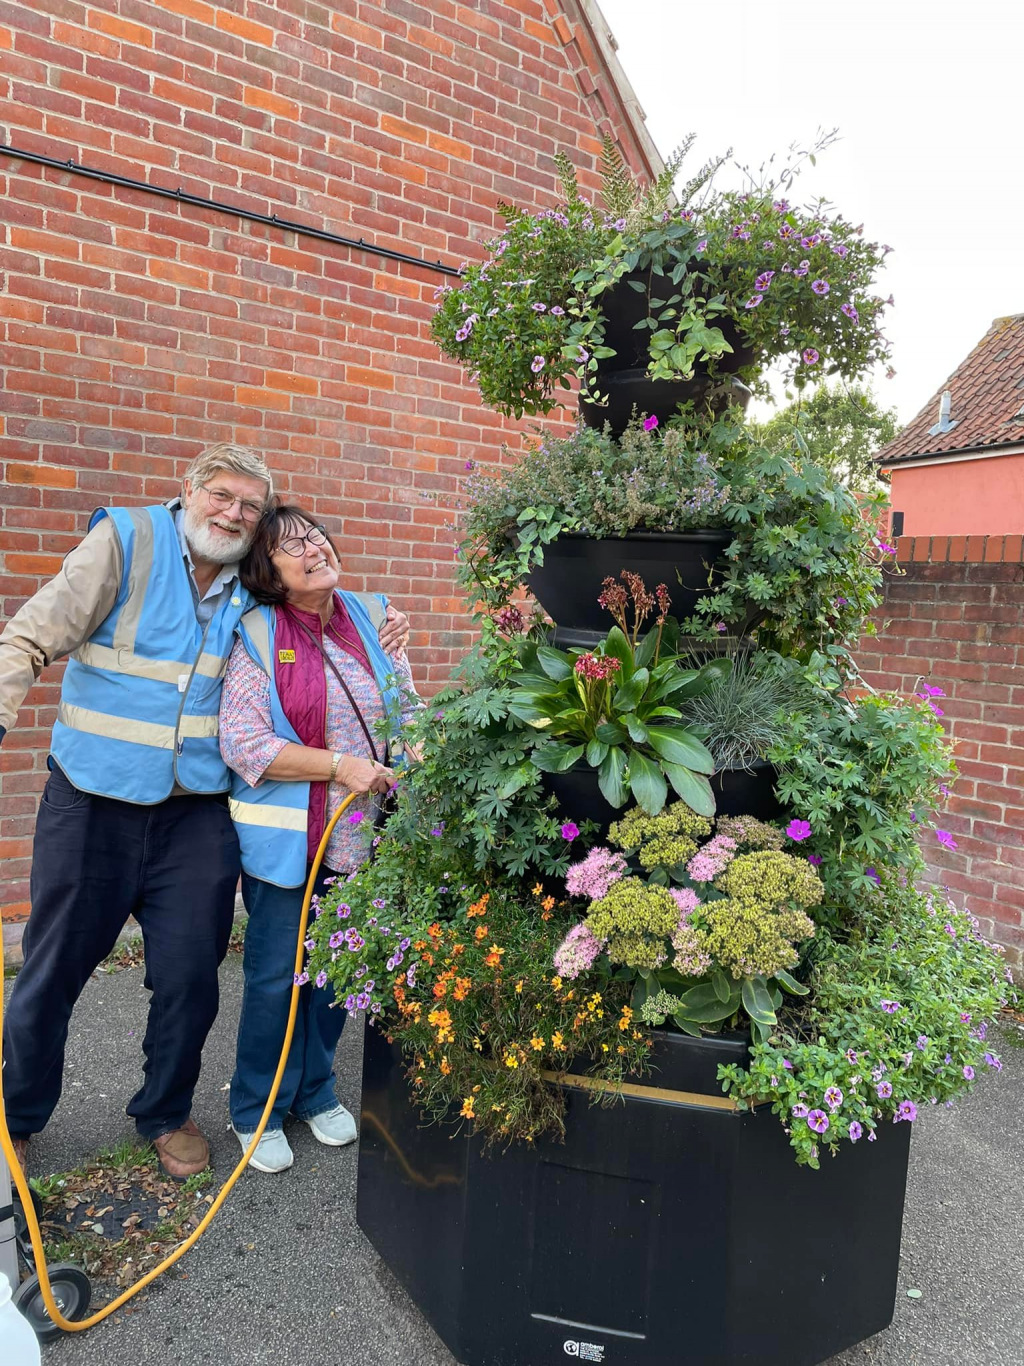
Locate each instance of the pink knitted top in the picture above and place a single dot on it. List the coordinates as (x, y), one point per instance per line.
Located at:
(249, 745)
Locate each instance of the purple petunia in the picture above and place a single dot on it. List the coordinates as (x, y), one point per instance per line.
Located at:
(818, 1121)
(850, 312)
(890, 1007)
(754, 300)
(820, 287)
(321, 978)
(993, 1061)
(537, 364)
(907, 1110)
(833, 1097)
(856, 1129)
(800, 1111)
(969, 1072)
(884, 1090)
(763, 281)
(810, 355)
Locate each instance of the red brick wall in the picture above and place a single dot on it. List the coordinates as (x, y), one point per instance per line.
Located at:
(134, 330)
(955, 619)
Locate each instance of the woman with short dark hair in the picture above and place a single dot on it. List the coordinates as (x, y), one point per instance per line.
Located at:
(309, 699)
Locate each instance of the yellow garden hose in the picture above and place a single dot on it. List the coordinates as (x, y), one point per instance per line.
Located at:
(21, 1182)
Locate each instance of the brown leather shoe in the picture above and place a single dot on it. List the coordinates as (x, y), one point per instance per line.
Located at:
(21, 1151)
(183, 1152)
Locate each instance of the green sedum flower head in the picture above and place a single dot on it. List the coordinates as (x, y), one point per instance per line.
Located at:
(635, 919)
(637, 828)
(769, 877)
(748, 938)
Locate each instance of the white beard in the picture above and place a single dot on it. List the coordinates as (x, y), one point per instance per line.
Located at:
(209, 546)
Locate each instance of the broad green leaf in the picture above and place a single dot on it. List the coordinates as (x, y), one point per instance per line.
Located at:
(646, 648)
(790, 984)
(720, 983)
(609, 778)
(538, 717)
(756, 1001)
(676, 745)
(714, 1012)
(692, 788)
(637, 730)
(619, 648)
(596, 751)
(687, 1026)
(630, 693)
(611, 733)
(554, 663)
(647, 783)
(555, 758)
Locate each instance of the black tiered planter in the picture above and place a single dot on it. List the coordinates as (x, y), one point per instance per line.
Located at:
(738, 792)
(568, 583)
(622, 378)
(668, 1230)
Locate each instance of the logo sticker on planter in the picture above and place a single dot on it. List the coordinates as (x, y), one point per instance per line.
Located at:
(586, 1351)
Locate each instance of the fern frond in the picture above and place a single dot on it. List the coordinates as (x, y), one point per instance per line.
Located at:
(567, 175)
(618, 189)
(656, 196)
(703, 178)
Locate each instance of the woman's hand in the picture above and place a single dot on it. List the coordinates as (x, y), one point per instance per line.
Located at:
(394, 634)
(364, 775)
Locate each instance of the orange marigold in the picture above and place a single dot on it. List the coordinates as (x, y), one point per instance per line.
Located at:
(493, 959)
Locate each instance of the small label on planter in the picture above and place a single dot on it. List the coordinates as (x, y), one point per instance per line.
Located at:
(586, 1351)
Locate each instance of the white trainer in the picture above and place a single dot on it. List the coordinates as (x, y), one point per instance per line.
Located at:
(334, 1127)
(273, 1153)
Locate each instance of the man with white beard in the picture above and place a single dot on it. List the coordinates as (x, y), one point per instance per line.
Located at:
(134, 816)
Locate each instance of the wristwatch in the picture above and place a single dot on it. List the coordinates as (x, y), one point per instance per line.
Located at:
(335, 761)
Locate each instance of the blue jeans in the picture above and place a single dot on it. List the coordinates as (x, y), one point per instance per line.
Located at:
(307, 1087)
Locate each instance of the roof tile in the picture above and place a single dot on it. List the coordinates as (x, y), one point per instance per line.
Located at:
(985, 401)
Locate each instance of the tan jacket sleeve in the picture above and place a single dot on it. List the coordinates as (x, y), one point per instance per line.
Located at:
(61, 616)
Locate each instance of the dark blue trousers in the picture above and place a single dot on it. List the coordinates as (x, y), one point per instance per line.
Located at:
(307, 1085)
(95, 862)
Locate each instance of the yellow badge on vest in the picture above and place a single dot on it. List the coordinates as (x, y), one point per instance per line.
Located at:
(286, 656)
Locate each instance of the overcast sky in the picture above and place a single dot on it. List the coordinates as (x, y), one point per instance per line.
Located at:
(926, 97)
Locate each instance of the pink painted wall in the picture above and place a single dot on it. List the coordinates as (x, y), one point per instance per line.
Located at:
(961, 497)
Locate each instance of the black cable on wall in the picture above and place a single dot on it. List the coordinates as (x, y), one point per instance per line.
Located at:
(181, 196)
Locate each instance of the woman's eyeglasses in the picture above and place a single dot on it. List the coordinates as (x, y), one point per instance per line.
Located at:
(296, 545)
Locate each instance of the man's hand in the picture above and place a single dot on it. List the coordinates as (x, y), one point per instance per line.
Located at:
(394, 634)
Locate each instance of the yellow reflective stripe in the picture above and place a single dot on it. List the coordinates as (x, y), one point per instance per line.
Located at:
(198, 727)
(262, 813)
(135, 732)
(159, 670)
(139, 574)
(258, 628)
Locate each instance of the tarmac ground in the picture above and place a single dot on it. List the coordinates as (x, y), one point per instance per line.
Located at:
(285, 1278)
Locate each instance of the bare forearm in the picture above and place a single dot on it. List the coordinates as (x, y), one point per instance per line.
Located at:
(300, 764)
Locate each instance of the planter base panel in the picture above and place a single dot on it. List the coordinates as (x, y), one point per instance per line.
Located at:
(661, 1233)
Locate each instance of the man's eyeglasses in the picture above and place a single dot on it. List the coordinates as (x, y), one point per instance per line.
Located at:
(221, 499)
(296, 545)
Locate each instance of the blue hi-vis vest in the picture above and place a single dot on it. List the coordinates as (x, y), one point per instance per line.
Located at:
(138, 708)
(271, 820)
